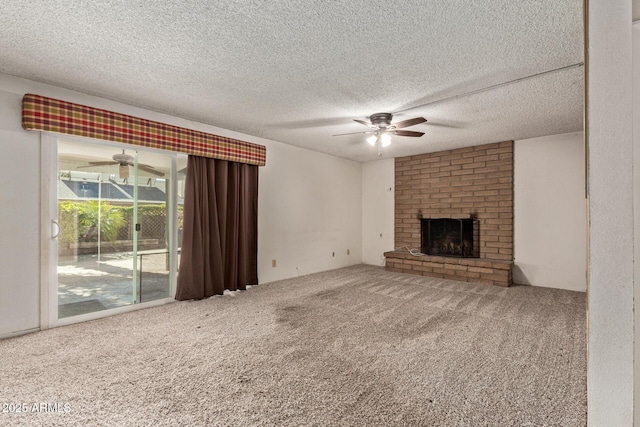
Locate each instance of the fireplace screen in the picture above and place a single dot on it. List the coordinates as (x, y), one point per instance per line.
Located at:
(450, 237)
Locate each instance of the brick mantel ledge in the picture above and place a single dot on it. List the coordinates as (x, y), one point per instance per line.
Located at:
(476, 270)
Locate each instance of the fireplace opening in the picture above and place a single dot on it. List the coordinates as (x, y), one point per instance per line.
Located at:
(450, 237)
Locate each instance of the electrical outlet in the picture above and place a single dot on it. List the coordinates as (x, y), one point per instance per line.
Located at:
(348, 252)
(273, 263)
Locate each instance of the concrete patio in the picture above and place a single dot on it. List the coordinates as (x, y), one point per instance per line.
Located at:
(86, 284)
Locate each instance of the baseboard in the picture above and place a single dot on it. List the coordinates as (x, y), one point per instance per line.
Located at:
(17, 334)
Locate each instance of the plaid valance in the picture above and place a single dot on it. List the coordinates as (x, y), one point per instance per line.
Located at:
(53, 115)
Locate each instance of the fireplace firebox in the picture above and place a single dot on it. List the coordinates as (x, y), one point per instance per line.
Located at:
(450, 237)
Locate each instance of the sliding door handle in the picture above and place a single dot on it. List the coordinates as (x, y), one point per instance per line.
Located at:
(54, 235)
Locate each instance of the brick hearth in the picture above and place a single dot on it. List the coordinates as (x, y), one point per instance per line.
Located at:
(490, 272)
(456, 184)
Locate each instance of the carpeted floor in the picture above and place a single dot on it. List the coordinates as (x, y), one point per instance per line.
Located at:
(356, 346)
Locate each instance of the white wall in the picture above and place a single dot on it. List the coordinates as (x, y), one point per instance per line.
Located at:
(609, 131)
(636, 208)
(378, 189)
(309, 209)
(19, 219)
(309, 204)
(550, 216)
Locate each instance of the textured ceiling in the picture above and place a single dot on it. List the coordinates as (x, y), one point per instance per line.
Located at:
(299, 71)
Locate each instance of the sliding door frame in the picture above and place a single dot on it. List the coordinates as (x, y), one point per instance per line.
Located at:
(49, 229)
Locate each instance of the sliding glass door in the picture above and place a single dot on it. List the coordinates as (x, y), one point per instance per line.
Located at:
(115, 219)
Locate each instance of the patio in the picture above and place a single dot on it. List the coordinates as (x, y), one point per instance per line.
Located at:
(87, 284)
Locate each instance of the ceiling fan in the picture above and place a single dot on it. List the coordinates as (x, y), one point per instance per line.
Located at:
(124, 160)
(382, 129)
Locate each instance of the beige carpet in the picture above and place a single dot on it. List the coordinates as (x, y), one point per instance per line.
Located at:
(356, 346)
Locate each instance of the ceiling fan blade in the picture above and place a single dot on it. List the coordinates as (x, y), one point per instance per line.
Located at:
(362, 122)
(150, 169)
(409, 122)
(91, 164)
(353, 133)
(407, 133)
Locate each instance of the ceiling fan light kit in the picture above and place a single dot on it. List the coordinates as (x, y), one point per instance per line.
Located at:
(382, 129)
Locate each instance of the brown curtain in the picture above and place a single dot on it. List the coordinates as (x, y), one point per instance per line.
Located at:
(220, 228)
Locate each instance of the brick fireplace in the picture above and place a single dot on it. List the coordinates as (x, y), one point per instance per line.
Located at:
(468, 183)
